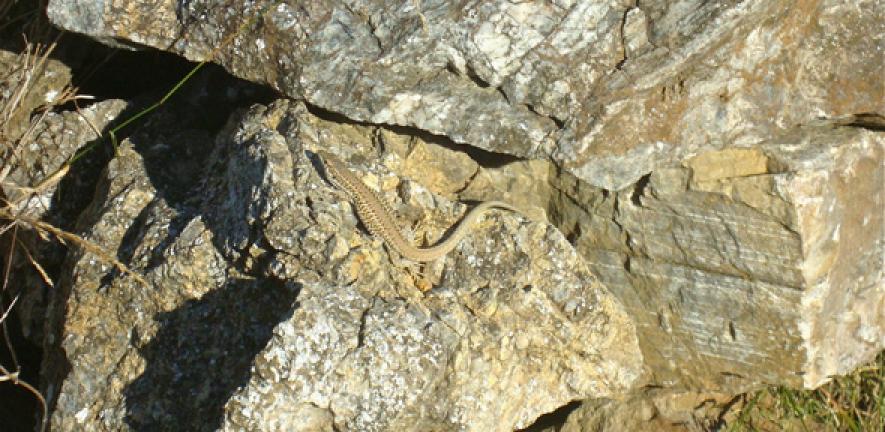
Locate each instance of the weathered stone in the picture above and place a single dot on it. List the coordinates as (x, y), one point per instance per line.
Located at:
(51, 143)
(444, 171)
(757, 265)
(719, 165)
(606, 89)
(653, 410)
(31, 187)
(36, 142)
(269, 308)
(27, 82)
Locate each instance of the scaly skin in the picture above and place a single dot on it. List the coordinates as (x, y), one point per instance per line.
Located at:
(379, 219)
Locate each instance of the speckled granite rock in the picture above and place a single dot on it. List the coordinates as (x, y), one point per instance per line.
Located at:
(50, 144)
(44, 81)
(269, 308)
(31, 186)
(717, 164)
(36, 141)
(605, 88)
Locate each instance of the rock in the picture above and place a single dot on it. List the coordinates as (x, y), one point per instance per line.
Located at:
(652, 410)
(53, 140)
(27, 83)
(606, 89)
(32, 188)
(39, 140)
(718, 165)
(748, 266)
(269, 308)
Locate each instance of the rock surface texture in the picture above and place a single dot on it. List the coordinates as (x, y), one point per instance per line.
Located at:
(269, 309)
(604, 88)
(718, 166)
(37, 143)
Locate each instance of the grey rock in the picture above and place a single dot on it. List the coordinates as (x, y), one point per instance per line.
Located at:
(51, 142)
(27, 82)
(606, 89)
(748, 266)
(718, 165)
(268, 308)
(37, 142)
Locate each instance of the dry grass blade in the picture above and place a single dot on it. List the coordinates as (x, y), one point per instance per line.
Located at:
(71, 238)
(36, 265)
(7, 267)
(22, 77)
(88, 246)
(5, 172)
(29, 191)
(8, 309)
(7, 226)
(5, 375)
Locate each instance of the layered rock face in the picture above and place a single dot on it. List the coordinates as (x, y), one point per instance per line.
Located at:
(701, 194)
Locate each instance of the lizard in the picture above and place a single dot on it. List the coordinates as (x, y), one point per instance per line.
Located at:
(378, 218)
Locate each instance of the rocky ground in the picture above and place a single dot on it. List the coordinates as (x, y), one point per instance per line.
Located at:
(700, 185)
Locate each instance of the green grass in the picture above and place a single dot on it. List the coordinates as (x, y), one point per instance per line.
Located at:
(855, 402)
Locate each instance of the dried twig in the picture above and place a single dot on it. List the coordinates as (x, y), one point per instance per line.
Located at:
(71, 238)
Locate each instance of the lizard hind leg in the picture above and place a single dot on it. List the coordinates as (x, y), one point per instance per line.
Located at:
(431, 271)
(423, 275)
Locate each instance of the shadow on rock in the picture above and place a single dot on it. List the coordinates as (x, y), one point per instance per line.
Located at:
(203, 352)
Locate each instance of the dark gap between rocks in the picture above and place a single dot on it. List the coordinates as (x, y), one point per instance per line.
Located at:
(488, 159)
(141, 78)
(554, 419)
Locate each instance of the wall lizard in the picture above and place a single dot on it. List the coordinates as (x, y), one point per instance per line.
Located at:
(379, 219)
